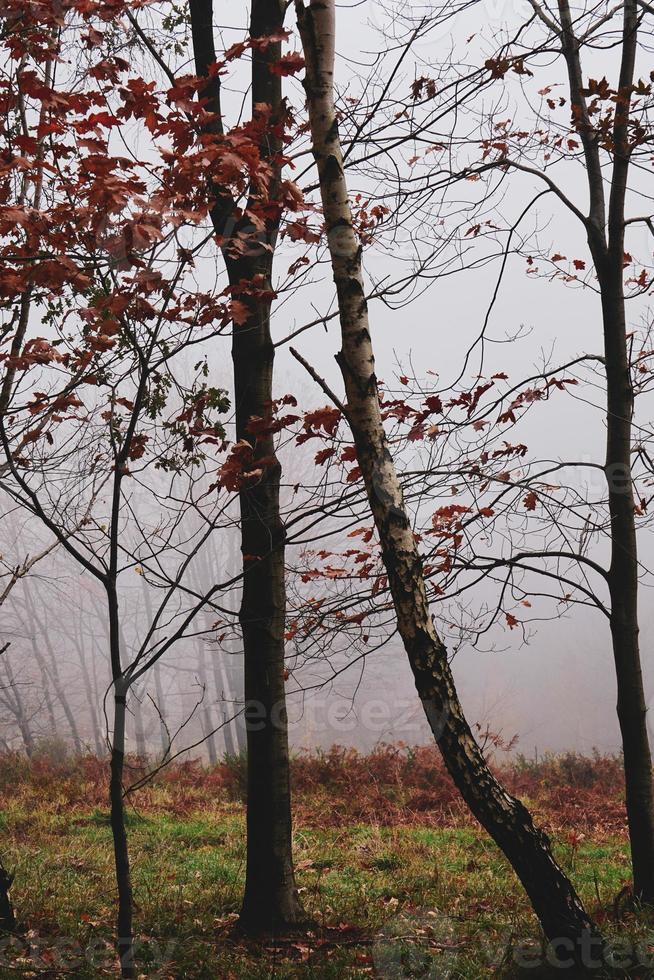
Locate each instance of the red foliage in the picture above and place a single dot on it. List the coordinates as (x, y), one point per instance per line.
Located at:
(390, 786)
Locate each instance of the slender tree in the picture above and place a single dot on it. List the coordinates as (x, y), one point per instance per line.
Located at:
(271, 899)
(605, 228)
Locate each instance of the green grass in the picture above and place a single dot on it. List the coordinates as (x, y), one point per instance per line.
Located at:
(449, 886)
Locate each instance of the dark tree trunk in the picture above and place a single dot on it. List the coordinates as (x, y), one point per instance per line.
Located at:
(7, 915)
(607, 248)
(124, 926)
(559, 909)
(623, 577)
(271, 900)
(119, 831)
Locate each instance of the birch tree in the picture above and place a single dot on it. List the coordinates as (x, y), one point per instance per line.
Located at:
(557, 905)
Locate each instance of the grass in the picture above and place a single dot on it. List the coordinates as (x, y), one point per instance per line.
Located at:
(367, 884)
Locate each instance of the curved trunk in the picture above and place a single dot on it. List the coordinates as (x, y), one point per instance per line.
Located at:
(53, 672)
(559, 909)
(231, 748)
(139, 729)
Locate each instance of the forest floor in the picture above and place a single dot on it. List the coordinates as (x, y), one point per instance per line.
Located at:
(398, 880)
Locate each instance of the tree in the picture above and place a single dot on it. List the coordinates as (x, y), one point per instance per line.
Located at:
(96, 406)
(608, 133)
(248, 235)
(555, 901)
(605, 229)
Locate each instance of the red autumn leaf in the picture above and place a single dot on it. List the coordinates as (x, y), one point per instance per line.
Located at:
(238, 312)
(579, 264)
(326, 418)
(365, 532)
(137, 448)
(512, 622)
(295, 267)
(434, 404)
(530, 500)
(288, 64)
(299, 231)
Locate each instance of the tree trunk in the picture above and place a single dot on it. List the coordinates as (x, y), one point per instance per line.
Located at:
(623, 576)
(7, 915)
(231, 748)
(53, 671)
(46, 684)
(271, 901)
(119, 831)
(559, 909)
(17, 708)
(208, 727)
(90, 694)
(124, 928)
(164, 734)
(163, 730)
(606, 243)
(139, 731)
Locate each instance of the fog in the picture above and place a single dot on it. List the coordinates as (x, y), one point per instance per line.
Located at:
(552, 686)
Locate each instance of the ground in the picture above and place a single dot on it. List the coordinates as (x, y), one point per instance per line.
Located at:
(399, 881)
